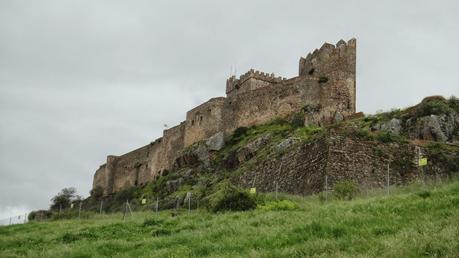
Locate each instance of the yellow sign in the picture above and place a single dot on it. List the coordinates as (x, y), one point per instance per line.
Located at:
(253, 190)
(144, 201)
(422, 162)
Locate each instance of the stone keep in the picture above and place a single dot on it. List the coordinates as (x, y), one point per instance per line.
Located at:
(324, 89)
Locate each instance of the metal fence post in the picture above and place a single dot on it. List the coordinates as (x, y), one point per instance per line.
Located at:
(101, 205)
(388, 178)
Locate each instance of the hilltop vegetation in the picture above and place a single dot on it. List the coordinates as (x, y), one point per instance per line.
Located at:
(414, 221)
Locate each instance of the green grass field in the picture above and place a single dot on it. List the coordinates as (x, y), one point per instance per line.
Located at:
(414, 221)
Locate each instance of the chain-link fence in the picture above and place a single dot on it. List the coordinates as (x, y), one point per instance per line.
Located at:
(19, 219)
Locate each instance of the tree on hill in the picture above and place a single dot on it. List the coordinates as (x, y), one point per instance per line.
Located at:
(64, 199)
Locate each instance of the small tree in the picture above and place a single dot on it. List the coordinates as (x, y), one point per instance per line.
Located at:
(345, 190)
(64, 198)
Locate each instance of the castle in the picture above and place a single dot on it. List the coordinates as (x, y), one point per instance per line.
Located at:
(324, 89)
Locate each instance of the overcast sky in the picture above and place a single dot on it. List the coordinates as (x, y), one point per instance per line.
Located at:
(83, 79)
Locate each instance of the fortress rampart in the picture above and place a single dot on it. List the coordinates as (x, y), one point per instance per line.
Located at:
(324, 91)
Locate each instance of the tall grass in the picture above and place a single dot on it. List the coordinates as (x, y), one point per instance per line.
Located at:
(414, 221)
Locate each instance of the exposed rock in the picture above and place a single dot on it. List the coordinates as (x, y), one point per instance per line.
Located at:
(198, 155)
(247, 152)
(338, 117)
(259, 142)
(173, 185)
(434, 127)
(216, 142)
(394, 126)
(285, 144)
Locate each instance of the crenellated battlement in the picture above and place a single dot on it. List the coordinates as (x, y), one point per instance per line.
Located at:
(248, 78)
(329, 58)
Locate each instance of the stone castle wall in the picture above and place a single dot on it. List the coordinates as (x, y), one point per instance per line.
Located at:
(204, 121)
(304, 168)
(324, 91)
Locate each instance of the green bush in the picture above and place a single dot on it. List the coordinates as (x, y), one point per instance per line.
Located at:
(424, 194)
(126, 195)
(39, 215)
(283, 205)
(387, 137)
(240, 131)
(323, 79)
(454, 103)
(305, 133)
(298, 119)
(434, 107)
(97, 192)
(447, 156)
(230, 198)
(364, 134)
(345, 190)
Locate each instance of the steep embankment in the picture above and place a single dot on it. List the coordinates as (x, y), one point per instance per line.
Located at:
(414, 221)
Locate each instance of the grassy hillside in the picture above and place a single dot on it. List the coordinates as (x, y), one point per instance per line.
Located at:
(413, 221)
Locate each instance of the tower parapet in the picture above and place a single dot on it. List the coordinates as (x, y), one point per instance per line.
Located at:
(251, 80)
(330, 58)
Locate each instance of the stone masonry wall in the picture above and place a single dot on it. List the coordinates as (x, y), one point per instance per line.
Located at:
(363, 163)
(263, 104)
(299, 171)
(204, 121)
(302, 168)
(131, 168)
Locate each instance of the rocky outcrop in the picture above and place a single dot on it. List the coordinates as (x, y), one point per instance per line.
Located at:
(196, 155)
(216, 142)
(394, 126)
(434, 127)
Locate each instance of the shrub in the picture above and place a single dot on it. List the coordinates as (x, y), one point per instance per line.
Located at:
(323, 79)
(39, 215)
(454, 103)
(283, 205)
(434, 107)
(97, 192)
(305, 133)
(441, 154)
(379, 151)
(363, 134)
(424, 194)
(240, 131)
(238, 134)
(345, 190)
(125, 194)
(298, 120)
(386, 137)
(230, 198)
